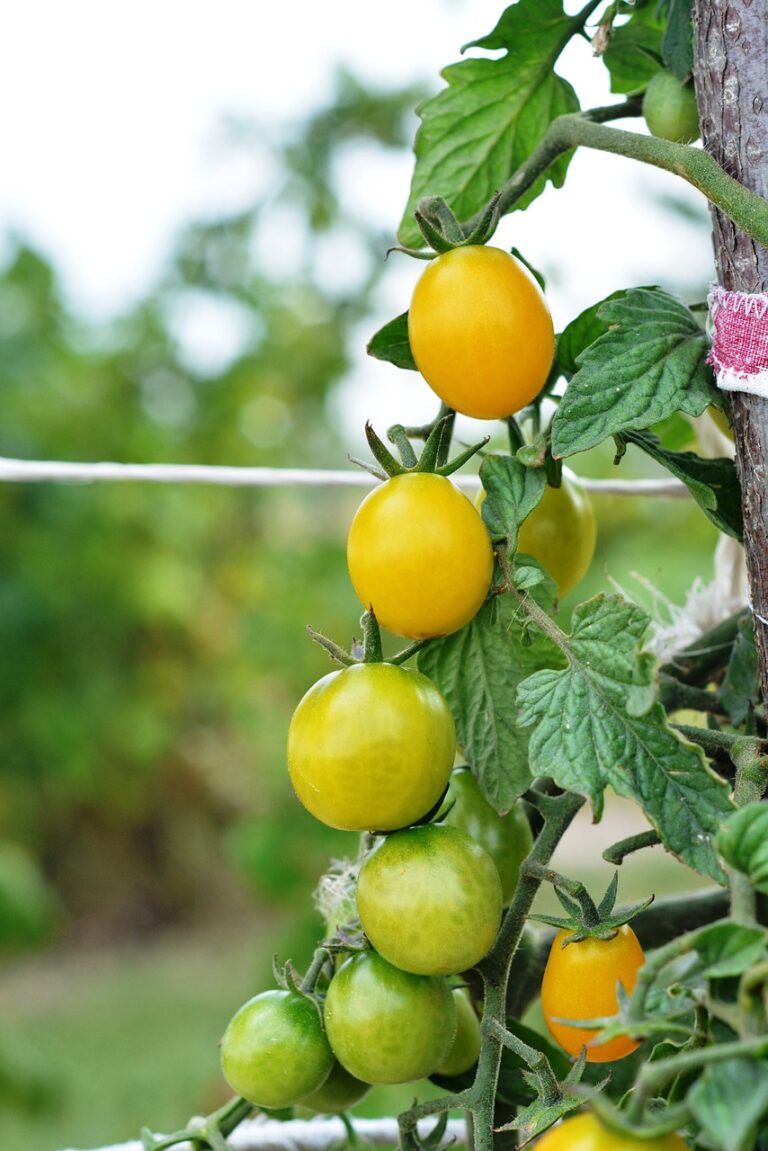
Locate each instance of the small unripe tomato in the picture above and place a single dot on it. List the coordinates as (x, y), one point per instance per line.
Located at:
(274, 1051)
(580, 982)
(586, 1133)
(339, 1092)
(560, 533)
(481, 332)
(429, 900)
(669, 109)
(419, 556)
(370, 747)
(466, 1046)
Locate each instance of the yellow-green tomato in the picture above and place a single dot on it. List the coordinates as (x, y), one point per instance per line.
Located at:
(385, 1025)
(339, 1092)
(429, 900)
(560, 533)
(481, 332)
(507, 838)
(466, 1046)
(586, 1133)
(419, 556)
(370, 748)
(275, 1051)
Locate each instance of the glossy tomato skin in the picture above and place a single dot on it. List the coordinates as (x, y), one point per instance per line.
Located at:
(481, 332)
(339, 1092)
(586, 1133)
(419, 556)
(580, 982)
(274, 1051)
(465, 1049)
(561, 533)
(429, 900)
(385, 1025)
(507, 838)
(371, 747)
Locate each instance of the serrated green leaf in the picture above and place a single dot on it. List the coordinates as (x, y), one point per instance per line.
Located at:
(586, 739)
(576, 337)
(512, 1087)
(743, 842)
(713, 483)
(512, 492)
(634, 52)
(730, 949)
(677, 44)
(740, 688)
(650, 363)
(391, 343)
(478, 130)
(728, 1102)
(478, 670)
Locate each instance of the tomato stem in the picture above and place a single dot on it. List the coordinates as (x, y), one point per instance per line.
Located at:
(372, 652)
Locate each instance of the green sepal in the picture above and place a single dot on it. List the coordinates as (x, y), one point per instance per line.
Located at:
(381, 452)
(438, 225)
(488, 222)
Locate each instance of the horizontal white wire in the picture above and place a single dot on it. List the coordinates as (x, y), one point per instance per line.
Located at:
(51, 471)
(317, 1135)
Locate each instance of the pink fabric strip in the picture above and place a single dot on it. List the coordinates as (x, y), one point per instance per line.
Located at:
(739, 328)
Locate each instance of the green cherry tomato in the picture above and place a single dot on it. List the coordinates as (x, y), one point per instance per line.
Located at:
(586, 1133)
(466, 1046)
(385, 1025)
(560, 533)
(419, 556)
(580, 982)
(339, 1092)
(669, 109)
(274, 1051)
(371, 747)
(429, 900)
(507, 838)
(481, 332)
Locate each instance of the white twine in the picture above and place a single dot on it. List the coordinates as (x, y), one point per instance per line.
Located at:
(51, 471)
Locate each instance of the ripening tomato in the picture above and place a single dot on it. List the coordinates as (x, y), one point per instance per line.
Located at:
(481, 332)
(465, 1050)
(419, 556)
(560, 533)
(274, 1051)
(370, 747)
(339, 1092)
(507, 838)
(429, 900)
(586, 1133)
(385, 1025)
(580, 982)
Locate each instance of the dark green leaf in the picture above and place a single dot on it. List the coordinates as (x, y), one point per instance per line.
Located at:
(391, 343)
(595, 728)
(633, 55)
(677, 45)
(478, 130)
(729, 949)
(743, 842)
(512, 492)
(740, 690)
(713, 484)
(537, 275)
(583, 331)
(649, 363)
(478, 670)
(728, 1102)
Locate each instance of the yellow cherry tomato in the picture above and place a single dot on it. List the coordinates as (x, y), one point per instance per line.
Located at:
(419, 556)
(586, 1133)
(481, 332)
(560, 533)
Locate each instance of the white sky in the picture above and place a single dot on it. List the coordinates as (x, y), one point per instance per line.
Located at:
(109, 143)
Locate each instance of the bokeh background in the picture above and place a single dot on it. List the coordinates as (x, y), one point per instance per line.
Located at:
(194, 211)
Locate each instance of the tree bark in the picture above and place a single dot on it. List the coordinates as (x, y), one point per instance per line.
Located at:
(731, 77)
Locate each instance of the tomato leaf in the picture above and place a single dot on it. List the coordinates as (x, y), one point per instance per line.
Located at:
(512, 492)
(677, 44)
(713, 483)
(740, 690)
(513, 1087)
(650, 362)
(391, 343)
(478, 670)
(729, 1100)
(478, 130)
(596, 727)
(743, 842)
(729, 949)
(634, 51)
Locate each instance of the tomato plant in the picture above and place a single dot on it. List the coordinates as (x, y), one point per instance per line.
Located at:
(419, 556)
(386, 1025)
(580, 982)
(669, 108)
(429, 900)
(371, 747)
(586, 1133)
(507, 838)
(465, 1049)
(560, 533)
(481, 332)
(274, 1051)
